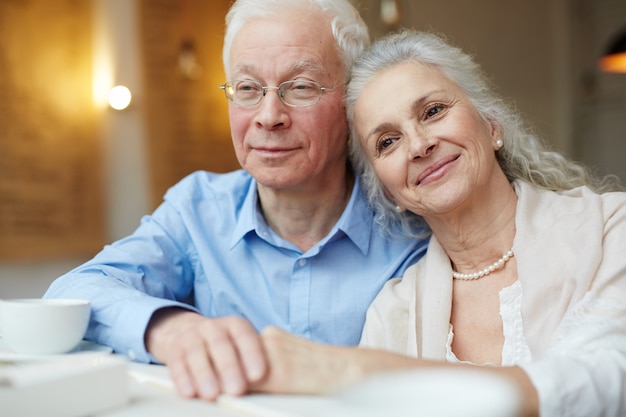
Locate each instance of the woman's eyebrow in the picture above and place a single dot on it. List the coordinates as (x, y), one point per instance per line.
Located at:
(419, 102)
(383, 127)
(415, 106)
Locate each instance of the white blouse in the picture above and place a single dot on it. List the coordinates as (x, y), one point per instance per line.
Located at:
(515, 349)
(564, 320)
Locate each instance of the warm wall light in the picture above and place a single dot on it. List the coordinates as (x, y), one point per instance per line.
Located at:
(187, 62)
(119, 97)
(390, 13)
(615, 58)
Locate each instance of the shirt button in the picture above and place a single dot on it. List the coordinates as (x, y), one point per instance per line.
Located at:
(302, 262)
(131, 354)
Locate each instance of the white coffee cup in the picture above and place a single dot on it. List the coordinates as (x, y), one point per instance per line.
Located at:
(43, 326)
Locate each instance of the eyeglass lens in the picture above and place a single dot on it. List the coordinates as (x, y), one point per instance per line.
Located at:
(296, 93)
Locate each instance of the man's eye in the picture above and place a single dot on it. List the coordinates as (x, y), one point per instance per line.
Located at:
(297, 83)
(246, 87)
(301, 87)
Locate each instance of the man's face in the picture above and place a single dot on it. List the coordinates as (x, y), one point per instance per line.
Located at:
(282, 146)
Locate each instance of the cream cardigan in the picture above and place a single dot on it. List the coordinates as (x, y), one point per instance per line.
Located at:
(570, 249)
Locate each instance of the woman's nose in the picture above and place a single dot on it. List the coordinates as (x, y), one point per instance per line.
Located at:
(421, 144)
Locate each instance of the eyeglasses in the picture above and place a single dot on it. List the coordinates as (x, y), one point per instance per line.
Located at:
(293, 93)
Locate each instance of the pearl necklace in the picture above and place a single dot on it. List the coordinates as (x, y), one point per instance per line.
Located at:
(475, 275)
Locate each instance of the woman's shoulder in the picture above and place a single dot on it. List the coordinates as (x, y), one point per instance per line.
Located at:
(539, 200)
(399, 290)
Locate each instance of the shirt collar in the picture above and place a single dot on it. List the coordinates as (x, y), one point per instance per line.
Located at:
(355, 221)
(248, 212)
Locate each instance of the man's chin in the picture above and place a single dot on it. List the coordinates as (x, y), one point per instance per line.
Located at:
(278, 182)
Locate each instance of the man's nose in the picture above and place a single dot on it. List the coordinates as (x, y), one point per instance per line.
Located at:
(272, 113)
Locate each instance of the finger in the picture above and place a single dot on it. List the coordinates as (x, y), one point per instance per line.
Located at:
(225, 360)
(181, 377)
(190, 367)
(199, 367)
(250, 351)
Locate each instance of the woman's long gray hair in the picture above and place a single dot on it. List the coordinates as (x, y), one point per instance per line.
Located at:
(523, 157)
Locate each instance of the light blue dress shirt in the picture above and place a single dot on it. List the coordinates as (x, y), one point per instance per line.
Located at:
(208, 248)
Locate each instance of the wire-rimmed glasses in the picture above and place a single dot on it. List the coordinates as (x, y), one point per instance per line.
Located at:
(293, 93)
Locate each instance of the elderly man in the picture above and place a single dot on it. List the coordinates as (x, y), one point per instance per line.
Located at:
(288, 241)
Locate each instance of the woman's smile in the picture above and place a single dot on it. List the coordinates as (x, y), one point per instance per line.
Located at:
(437, 170)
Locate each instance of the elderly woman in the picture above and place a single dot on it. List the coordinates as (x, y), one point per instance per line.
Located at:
(526, 266)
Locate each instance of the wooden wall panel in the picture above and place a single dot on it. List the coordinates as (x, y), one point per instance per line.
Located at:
(187, 117)
(50, 181)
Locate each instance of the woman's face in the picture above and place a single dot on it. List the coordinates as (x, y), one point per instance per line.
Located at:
(428, 145)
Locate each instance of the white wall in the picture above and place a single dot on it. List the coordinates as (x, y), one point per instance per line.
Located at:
(599, 124)
(21, 280)
(125, 161)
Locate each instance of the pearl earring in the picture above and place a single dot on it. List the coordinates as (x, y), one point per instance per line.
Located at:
(499, 143)
(399, 209)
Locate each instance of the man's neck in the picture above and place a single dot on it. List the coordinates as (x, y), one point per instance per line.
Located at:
(305, 215)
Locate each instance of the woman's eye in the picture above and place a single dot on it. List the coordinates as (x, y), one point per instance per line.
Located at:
(384, 143)
(433, 110)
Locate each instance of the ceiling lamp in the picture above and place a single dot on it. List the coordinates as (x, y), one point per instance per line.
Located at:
(614, 60)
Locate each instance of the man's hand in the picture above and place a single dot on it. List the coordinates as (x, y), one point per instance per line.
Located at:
(206, 357)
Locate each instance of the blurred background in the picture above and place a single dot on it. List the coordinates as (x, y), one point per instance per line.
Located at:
(79, 167)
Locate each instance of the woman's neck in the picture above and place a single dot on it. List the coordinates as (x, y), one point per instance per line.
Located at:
(481, 234)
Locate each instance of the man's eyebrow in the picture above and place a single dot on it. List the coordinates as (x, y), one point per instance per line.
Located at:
(298, 67)
(307, 65)
(245, 68)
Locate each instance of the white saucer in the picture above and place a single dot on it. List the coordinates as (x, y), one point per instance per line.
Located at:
(84, 348)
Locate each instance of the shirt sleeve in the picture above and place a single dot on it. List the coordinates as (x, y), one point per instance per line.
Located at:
(584, 373)
(581, 372)
(132, 278)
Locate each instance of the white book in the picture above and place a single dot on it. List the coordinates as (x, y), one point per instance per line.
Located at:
(71, 386)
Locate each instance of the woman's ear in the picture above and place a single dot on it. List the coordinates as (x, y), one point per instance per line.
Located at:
(399, 208)
(388, 194)
(496, 134)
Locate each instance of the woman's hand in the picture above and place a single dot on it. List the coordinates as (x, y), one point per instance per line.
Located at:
(300, 366)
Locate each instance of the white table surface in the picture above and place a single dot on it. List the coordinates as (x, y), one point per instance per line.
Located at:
(98, 384)
(405, 394)
(152, 394)
(112, 386)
